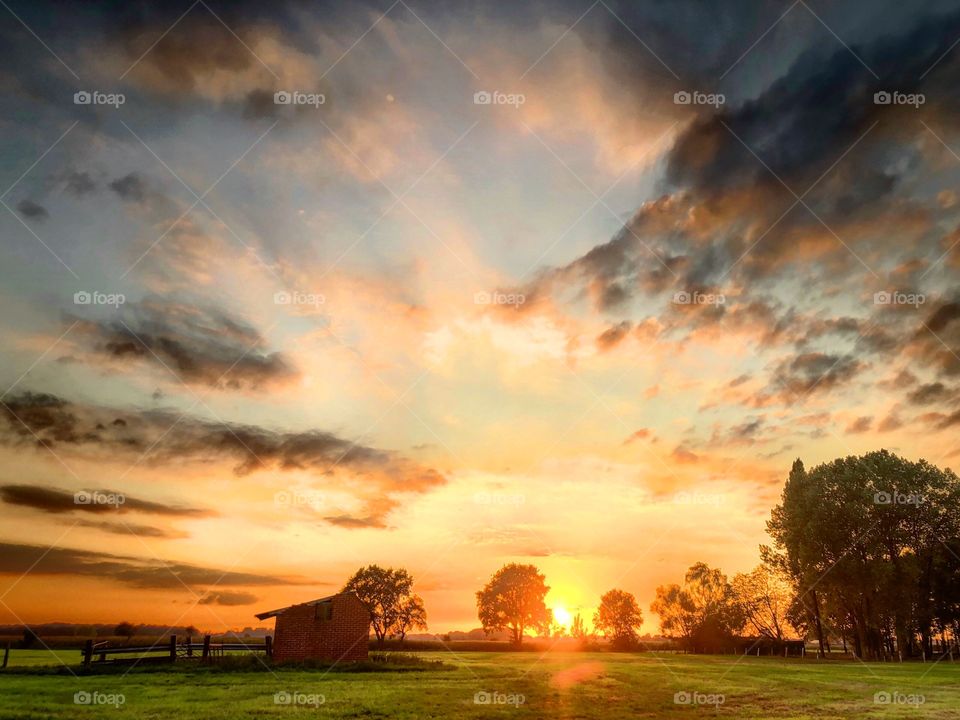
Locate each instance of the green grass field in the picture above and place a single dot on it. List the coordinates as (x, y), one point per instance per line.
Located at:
(555, 685)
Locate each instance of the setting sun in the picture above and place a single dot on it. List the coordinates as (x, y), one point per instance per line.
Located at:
(562, 616)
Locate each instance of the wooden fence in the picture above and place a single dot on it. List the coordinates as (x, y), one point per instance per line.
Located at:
(172, 651)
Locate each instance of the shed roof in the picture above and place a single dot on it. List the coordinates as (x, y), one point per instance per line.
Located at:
(280, 611)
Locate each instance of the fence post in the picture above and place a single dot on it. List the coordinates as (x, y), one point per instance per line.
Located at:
(173, 648)
(206, 647)
(87, 653)
(6, 655)
(269, 646)
(189, 646)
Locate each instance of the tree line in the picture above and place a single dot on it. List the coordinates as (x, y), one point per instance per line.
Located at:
(865, 553)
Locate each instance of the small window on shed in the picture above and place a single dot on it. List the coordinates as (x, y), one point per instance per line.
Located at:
(324, 611)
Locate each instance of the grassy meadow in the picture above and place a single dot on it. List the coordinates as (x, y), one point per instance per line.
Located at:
(490, 685)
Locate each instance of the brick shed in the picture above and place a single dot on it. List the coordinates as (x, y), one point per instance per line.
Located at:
(334, 628)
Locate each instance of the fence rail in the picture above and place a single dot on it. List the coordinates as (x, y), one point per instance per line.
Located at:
(172, 650)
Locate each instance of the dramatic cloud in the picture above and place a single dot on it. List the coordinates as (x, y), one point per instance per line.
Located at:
(203, 346)
(159, 437)
(53, 500)
(32, 211)
(130, 529)
(79, 184)
(228, 598)
(141, 573)
(130, 187)
(796, 378)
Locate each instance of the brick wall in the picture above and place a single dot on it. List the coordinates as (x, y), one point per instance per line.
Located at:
(303, 633)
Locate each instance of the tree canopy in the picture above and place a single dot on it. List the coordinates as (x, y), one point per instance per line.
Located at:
(619, 618)
(388, 595)
(514, 600)
(870, 544)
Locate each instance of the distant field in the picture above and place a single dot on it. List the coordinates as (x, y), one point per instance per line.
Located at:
(556, 685)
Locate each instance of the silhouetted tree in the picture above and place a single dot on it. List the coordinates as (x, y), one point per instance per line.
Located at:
(862, 539)
(383, 591)
(577, 630)
(411, 615)
(765, 599)
(514, 600)
(125, 630)
(619, 618)
(30, 637)
(703, 612)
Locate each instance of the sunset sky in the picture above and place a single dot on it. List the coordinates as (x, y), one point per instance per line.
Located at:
(585, 325)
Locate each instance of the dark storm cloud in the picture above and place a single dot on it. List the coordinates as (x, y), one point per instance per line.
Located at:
(203, 346)
(349, 521)
(801, 123)
(160, 437)
(130, 187)
(721, 199)
(55, 500)
(860, 425)
(130, 529)
(228, 598)
(32, 211)
(943, 316)
(136, 572)
(612, 336)
(79, 184)
(798, 377)
(927, 393)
